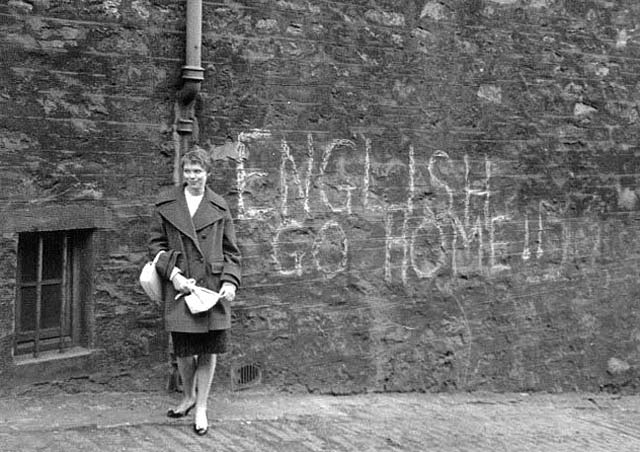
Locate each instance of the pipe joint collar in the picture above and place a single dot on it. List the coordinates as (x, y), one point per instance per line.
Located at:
(195, 73)
(184, 126)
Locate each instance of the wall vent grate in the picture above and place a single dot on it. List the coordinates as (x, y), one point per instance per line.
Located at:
(246, 376)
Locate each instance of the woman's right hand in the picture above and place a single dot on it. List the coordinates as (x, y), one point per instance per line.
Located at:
(182, 284)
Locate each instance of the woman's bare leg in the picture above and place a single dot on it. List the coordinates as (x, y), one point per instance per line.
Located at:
(187, 369)
(203, 378)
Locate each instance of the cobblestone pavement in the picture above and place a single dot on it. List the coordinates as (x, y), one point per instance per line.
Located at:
(254, 421)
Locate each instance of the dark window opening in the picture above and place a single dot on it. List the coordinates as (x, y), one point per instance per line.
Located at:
(51, 269)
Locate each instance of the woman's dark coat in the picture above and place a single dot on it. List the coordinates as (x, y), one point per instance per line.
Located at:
(203, 248)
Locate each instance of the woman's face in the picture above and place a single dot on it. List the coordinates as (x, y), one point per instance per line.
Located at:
(195, 176)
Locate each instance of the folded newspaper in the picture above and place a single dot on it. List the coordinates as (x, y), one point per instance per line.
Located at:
(201, 299)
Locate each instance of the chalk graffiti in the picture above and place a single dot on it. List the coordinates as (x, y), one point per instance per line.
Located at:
(303, 190)
(330, 249)
(344, 178)
(427, 260)
(456, 228)
(288, 258)
(244, 177)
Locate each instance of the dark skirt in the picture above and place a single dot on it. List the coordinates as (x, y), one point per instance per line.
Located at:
(189, 344)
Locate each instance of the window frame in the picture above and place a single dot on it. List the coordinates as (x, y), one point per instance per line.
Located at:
(68, 331)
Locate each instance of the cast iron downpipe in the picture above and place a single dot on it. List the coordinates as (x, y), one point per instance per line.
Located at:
(185, 123)
(192, 77)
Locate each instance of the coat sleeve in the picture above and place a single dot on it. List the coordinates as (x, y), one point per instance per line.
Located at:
(232, 271)
(158, 241)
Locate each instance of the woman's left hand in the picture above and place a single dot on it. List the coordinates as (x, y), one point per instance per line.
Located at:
(228, 291)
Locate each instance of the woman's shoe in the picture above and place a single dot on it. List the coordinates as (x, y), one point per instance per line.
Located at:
(201, 419)
(201, 431)
(175, 414)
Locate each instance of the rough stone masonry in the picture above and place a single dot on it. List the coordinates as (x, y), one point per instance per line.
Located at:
(430, 195)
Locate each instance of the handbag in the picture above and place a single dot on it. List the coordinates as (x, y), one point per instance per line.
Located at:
(201, 299)
(150, 280)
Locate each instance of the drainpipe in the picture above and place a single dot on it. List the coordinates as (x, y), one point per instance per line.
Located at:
(185, 123)
(192, 77)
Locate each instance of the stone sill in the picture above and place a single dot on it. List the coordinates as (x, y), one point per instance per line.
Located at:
(53, 365)
(50, 355)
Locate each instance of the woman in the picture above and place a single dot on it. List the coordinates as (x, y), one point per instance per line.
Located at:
(193, 232)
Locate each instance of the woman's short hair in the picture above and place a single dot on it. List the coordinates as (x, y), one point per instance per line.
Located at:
(197, 156)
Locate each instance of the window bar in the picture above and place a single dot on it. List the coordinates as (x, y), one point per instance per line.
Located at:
(36, 343)
(19, 310)
(65, 293)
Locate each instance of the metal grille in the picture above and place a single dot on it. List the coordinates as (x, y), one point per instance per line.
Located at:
(246, 376)
(43, 308)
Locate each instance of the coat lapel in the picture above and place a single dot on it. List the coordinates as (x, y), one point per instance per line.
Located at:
(174, 209)
(209, 211)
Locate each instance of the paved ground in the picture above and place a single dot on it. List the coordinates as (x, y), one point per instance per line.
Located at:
(259, 421)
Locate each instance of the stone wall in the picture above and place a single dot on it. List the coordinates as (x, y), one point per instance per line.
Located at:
(430, 195)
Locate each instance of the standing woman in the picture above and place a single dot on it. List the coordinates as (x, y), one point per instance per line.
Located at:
(193, 232)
